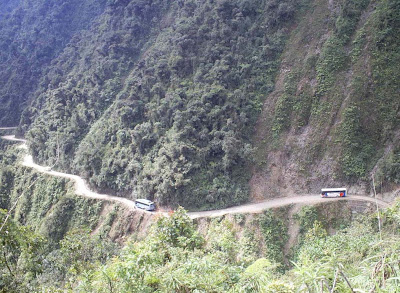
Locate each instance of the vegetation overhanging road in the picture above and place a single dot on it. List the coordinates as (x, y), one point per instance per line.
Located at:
(82, 189)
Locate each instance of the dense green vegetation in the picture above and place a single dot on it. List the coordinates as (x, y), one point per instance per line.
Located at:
(175, 257)
(44, 228)
(164, 106)
(46, 203)
(32, 35)
(373, 115)
(339, 90)
(159, 99)
(186, 265)
(29, 260)
(52, 243)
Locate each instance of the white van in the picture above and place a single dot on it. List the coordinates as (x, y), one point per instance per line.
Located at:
(333, 192)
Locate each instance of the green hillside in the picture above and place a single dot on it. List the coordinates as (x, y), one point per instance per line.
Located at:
(201, 105)
(356, 259)
(333, 118)
(32, 35)
(161, 99)
(55, 241)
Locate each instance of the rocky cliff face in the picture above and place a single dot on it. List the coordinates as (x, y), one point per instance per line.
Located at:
(187, 102)
(333, 118)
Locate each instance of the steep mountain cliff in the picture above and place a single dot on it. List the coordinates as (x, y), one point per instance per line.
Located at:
(159, 99)
(200, 103)
(32, 34)
(333, 118)
(186, 102)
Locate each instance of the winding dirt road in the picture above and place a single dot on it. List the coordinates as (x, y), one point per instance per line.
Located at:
(281, 202)
(82, 189)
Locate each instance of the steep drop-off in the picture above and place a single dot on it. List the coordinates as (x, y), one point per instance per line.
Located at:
(32, 34)
(162, 99)
(159, 99)
(333, 118)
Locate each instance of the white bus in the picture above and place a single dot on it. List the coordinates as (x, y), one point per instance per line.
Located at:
(145, 204)
(333, 192)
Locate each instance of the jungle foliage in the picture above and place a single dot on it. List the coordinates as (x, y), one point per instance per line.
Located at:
(175, 257)
(356, 258)
(51, 243)
(159, 99)
(343, 97)
(44, 229)
(32, 35)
